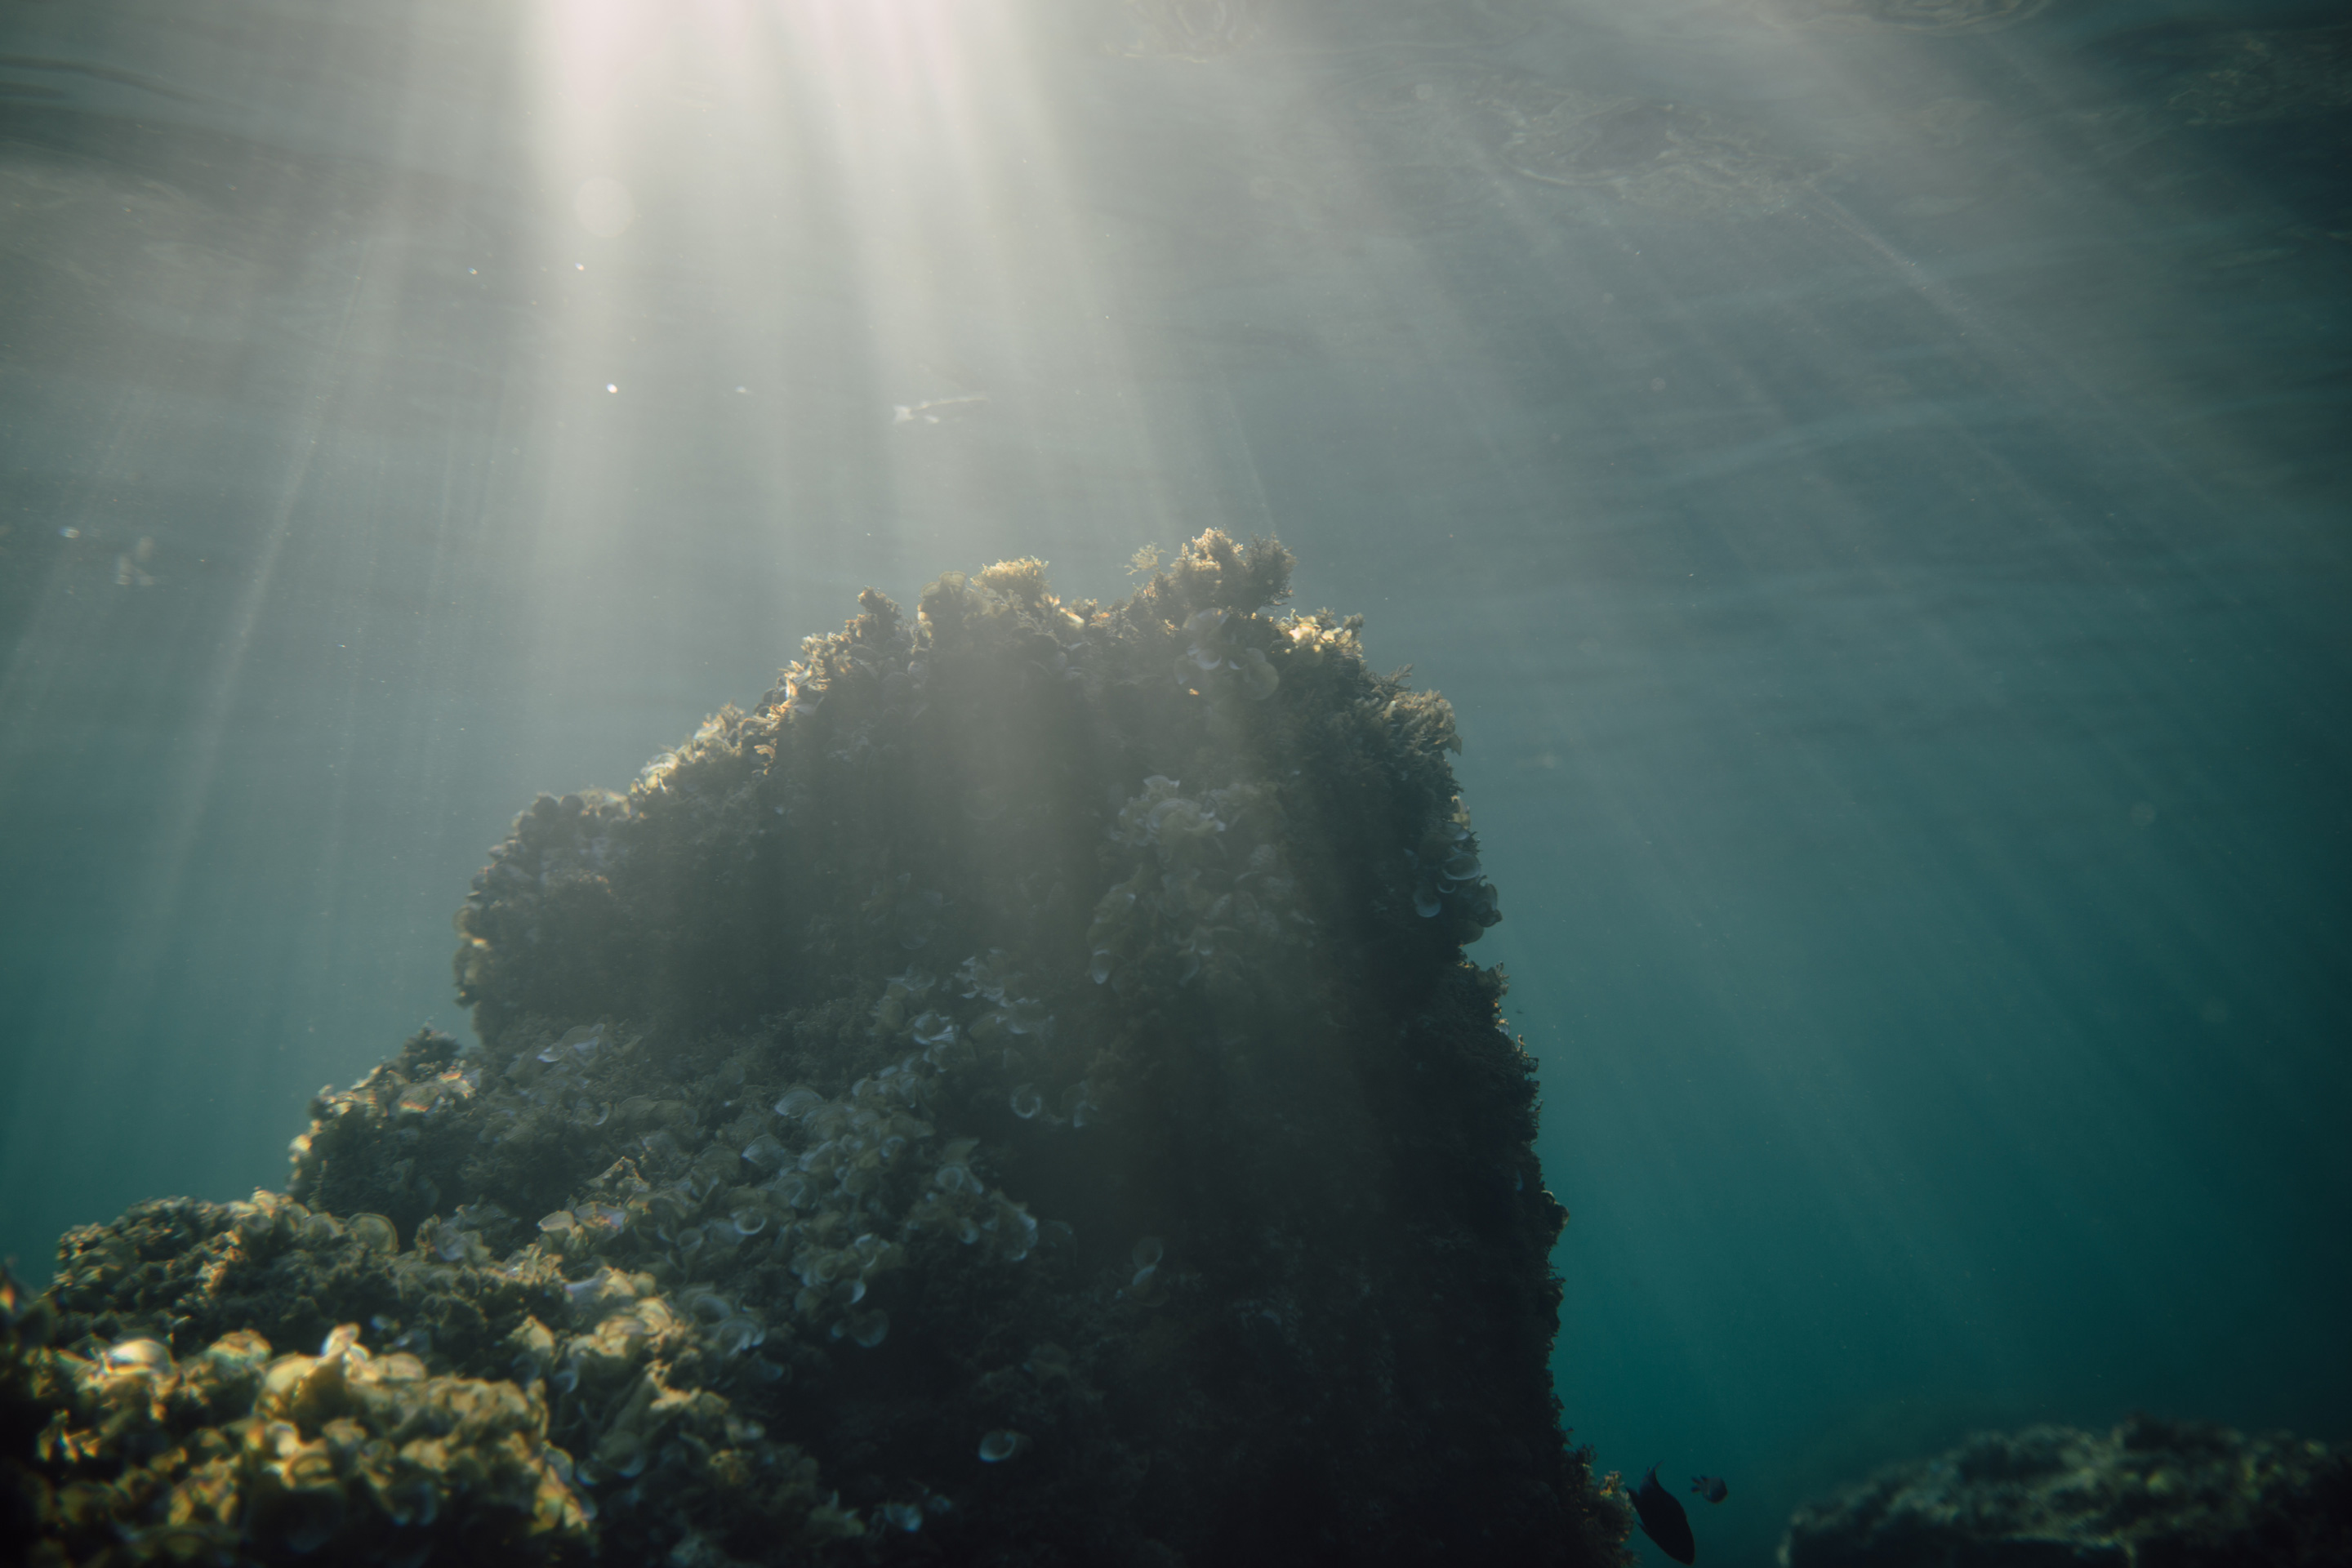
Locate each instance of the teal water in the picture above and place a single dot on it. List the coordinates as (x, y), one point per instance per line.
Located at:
(1870, 475)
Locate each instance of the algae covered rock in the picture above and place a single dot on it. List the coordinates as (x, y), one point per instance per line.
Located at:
(2148, 1494)
(1013, 1095)
(230, 1454)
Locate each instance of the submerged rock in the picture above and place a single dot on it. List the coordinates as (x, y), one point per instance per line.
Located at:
(2177, 1493)
(232, 1455)
(997, 1100)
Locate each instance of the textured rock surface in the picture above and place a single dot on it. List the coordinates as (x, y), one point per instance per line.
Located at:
(2150, 1494)
(1016, 1095)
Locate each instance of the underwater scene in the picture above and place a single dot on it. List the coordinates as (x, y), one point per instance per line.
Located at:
(1176, 782)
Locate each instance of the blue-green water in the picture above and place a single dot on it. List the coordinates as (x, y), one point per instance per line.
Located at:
(1873, 478)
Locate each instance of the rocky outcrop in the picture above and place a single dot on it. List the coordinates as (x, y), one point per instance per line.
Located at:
(2150, 1494)
(1016, 1095)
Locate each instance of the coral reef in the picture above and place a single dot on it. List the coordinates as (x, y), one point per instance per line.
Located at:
(2150, 1494)
(1015, 1096)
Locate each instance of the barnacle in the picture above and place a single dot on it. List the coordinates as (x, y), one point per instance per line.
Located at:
(738, 1333)
(351, 1456)
(375, 1232)
(1001, 1444)
(864, 1329)
(148, 1358)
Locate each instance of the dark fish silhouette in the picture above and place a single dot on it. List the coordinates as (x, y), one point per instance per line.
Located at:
(1663, 1520)
(1710, 1487)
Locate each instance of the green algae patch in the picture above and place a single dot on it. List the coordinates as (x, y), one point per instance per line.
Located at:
(1015, 1094)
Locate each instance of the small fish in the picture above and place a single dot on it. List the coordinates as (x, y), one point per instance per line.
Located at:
(1663, 1520)
(1711, 1487)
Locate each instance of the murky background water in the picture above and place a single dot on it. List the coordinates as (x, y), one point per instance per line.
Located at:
(1872, 475)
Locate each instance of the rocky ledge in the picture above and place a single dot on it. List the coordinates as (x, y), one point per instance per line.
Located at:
(2148, 1494)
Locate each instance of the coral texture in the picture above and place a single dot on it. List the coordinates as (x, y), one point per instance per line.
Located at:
(2150, 1494)
(1015, 1096)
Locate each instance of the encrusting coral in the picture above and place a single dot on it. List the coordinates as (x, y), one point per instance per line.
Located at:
(1013, 1096)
